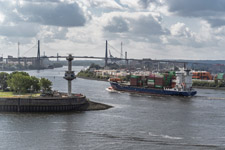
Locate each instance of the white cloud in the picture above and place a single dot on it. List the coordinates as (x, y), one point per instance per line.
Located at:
(52, 33)
(2, 18)
(107, 4)
(179, 29)
(130, 3)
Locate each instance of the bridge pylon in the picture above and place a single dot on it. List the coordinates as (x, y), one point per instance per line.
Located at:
(38, 56)
(106, 53)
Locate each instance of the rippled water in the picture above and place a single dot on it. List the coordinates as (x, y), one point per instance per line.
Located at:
(137, 122)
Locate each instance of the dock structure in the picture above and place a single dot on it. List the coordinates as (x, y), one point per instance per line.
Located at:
(43, 104)
(69, 75)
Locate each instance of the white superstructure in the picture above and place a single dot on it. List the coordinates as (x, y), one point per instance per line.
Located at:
(184, 80)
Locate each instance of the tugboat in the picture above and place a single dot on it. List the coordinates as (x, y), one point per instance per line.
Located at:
(173, 83)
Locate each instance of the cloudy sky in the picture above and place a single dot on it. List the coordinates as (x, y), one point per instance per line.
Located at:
(157, 29)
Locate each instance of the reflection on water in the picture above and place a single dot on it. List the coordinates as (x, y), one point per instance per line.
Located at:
(135, 122)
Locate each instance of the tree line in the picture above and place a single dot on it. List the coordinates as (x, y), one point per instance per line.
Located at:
(22, 82)
(215, 84)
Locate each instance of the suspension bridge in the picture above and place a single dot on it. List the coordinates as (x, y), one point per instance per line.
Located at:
(37, 61)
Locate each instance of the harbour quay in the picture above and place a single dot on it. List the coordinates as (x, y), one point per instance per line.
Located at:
(43, 104)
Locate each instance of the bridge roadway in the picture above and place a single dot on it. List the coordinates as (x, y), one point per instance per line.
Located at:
(94, 57)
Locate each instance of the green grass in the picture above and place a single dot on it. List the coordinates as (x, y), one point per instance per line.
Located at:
(14, 95)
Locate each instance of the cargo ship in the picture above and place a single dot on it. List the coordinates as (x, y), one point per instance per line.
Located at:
(172, 83)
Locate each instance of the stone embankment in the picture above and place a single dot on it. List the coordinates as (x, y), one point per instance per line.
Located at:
(50, 104)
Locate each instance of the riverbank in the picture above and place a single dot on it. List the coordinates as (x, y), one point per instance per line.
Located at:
(91, 78)
(93, 106)
(214, 88)
(23, 68)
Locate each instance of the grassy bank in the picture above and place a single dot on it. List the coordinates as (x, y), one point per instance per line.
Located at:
(16, 95)
(90, 75)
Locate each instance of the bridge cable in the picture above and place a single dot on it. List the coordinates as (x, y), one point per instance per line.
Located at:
(115, 49)
(29, 49)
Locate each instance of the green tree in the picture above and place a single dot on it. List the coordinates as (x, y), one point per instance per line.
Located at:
(19, 66)
(45, 85)
(22, 82)
(19, 83)
(18, 72)
(3, 80)
(113, 66)
(35, 84)
(95, 66)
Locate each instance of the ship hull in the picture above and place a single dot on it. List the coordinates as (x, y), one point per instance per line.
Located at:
(120, 87)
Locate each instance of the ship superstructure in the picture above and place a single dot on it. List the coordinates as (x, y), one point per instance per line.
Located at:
(183, 80)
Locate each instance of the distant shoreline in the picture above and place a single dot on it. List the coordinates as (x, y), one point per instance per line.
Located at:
(214, 88)
(198, 87)
(90, 78)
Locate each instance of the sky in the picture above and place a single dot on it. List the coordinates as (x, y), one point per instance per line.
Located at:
(156, 29)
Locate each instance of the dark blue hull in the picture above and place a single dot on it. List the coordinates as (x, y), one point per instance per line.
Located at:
(119, 87)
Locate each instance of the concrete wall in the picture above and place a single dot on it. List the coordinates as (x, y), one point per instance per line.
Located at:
(45, 104)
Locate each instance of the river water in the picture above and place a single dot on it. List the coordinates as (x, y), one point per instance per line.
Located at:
(136, 122)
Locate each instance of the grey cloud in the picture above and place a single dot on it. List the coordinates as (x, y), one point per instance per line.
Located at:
(196, 8)
(25, 20)
(147, 26)
(216, 22)
(57, 33)
(118, 24)
(49, 12)
(21, 29)
(144, 25)
(61, 14)
(144, 28)
(60, 33)
(205, 9)
(191, 42)
(7, 9)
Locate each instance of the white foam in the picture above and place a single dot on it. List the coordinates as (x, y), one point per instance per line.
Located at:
(151, 134)
(216, 98)
(18, 132)
(59, 130)
(165, 136)
(60, 122)
(171, 137)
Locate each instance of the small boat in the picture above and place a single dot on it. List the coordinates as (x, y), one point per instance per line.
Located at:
(110, 89)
